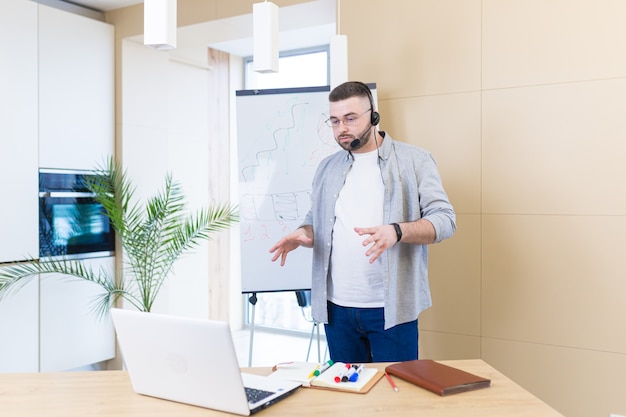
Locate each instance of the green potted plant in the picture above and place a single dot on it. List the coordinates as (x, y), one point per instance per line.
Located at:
(152, 237)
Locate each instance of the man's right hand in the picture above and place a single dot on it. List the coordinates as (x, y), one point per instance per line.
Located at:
(302, 236)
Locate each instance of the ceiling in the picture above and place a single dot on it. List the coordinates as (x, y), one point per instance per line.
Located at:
(303, 25)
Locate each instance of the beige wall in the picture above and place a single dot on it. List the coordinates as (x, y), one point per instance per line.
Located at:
(523, 104)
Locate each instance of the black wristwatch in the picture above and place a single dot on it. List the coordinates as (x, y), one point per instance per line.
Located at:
(398, 230)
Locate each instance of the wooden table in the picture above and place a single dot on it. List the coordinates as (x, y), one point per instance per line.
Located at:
(109, 393)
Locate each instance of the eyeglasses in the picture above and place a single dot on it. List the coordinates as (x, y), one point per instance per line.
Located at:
(347, 121)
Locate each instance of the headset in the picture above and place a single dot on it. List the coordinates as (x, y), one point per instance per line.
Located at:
(374, 115)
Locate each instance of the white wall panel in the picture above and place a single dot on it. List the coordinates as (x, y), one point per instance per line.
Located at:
(72, 334)
(76, 90)
(18, 131)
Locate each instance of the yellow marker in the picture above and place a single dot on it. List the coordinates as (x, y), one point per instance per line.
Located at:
(324, 367)
(312, 374)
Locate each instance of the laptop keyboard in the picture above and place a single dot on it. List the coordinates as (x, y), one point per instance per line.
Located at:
(255, 395)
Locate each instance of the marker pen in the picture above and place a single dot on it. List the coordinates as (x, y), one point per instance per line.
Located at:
(346, 377)
(355, 376)
(340, 375)
(312, 374)
(324, 367)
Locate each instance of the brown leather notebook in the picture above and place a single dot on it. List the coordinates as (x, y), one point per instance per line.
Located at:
(437, 377)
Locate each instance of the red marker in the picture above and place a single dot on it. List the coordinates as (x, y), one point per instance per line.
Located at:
(339, 376)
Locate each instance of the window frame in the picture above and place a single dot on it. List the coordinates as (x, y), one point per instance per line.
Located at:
(248, 61)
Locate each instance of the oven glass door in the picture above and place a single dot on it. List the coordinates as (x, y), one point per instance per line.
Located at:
(73, 224)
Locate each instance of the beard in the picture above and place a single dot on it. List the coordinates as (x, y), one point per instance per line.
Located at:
(363, 138)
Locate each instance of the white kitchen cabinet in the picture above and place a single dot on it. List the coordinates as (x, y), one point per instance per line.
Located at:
(19, 329)
(76, 90)
(56, 111)
(18, 131)
(71, 334)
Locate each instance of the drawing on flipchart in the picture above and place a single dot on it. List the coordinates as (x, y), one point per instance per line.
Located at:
(297, 138)
(277, 166)
(280, 207)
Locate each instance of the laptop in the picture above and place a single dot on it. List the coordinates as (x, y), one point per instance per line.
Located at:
(191, 361)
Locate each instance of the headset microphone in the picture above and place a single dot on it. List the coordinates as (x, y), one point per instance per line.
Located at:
(356, 142)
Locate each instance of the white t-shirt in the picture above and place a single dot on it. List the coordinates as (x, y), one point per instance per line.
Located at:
(354, 281)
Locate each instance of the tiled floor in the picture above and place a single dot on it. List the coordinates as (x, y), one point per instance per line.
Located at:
(270, 348)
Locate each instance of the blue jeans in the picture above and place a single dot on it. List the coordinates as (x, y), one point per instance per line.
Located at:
(357, 335)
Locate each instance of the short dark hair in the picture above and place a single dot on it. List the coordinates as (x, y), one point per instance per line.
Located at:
(351, 89)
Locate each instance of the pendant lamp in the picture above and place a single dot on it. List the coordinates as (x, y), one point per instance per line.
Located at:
(265, 37)
(159, 24)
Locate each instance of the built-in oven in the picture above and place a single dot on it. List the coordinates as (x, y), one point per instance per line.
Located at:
(71, 222)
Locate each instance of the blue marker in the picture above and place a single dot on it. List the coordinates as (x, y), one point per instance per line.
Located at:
(355, 376)
(346, 377)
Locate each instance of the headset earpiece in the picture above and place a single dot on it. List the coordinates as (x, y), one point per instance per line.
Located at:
(375, 118)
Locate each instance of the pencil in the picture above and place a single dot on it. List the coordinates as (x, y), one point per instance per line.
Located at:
(393, 385)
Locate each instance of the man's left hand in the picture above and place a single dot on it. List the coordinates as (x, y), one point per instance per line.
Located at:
(380, 238)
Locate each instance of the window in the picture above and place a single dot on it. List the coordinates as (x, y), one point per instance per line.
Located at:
(302, 68)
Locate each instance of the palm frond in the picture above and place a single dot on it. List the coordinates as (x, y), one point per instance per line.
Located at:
(153, 237)
(14, 277)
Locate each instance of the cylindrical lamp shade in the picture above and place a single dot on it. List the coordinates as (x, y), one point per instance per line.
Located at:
(159, 24)
(338, 60)
(265, 37)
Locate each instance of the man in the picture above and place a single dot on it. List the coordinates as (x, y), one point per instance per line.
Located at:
(376, 205)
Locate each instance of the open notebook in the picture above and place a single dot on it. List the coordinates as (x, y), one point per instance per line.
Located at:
(191, 361)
